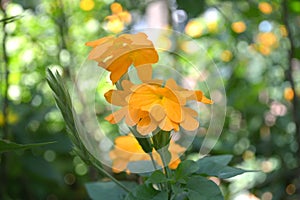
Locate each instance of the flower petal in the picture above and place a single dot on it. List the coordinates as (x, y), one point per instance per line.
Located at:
(119, 165)
(157, 112)
(173, 110)
(118, 68)
(199, 96)
(168, 125)
(99, 41)
(146, 126)
(144, 72)
(144, 56)
(117, 116)
(116, 97)
(189, 123)
(99, 52)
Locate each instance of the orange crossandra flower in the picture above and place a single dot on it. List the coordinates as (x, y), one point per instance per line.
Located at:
(152, 104)
(116, 54)
(118, 19)
(118, 12)
(127, 149)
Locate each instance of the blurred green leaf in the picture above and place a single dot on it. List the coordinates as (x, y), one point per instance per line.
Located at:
(40, 168)
(6, 145)
(294, 6)
(193, 8)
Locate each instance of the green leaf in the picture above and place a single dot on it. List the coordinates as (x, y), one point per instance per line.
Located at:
(178, 190)
(202, 188)
(222, 159)
(185, 169)
(147, 192)
(6, 145)
(217, 166)
(229, 172)
(163, 195)
(157, 177)
(107, 190)
(64, 103)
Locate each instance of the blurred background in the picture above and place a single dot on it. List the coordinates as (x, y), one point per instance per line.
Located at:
(255, 44)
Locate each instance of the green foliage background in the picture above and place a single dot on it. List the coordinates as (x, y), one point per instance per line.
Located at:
(261, 129)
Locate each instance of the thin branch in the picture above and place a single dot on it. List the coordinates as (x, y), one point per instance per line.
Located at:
(3, 177)
(10, 19)
(289, 72)
(63, 31)
(6, 76)
(290, 78)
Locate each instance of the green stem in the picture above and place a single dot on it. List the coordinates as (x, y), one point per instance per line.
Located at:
(154, 165)
(168, 175)
(153, 161)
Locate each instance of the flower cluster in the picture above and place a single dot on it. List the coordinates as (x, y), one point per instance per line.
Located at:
(147, 107)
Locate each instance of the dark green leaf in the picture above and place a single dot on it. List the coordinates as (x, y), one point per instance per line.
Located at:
(163, 195)
(157, 177)
(229, 172)
(202, 188)
(185, 169)
(147, 192)
(221, 160)
(107, 190)
(217, 166)
(6, 145)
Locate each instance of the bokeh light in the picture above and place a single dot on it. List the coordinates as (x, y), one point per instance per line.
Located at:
(194, 28)
(238, 27)
(87, 5)
(265, 7)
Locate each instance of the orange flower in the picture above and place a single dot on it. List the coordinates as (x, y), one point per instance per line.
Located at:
(117, 54)
(118, 12)
(118, 19)
(151, 104)
(127, 149)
